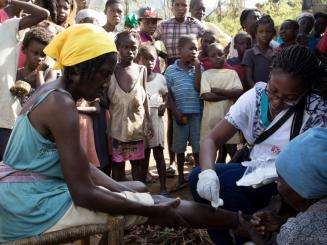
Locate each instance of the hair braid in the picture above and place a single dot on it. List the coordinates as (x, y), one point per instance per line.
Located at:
(301, 64)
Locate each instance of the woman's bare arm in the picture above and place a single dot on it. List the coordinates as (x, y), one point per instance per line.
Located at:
(212, 97)
(229, 94)
(219, 136)
(37, 14)
(75, 166)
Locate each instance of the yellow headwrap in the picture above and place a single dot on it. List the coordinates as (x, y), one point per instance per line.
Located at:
(79, 43)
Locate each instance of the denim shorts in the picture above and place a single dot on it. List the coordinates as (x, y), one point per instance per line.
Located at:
(187, 133)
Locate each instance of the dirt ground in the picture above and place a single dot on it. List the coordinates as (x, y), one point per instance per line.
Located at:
(157, 235)
(153, 235)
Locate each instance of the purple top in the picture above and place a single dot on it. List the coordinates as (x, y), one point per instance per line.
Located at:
(144, 39)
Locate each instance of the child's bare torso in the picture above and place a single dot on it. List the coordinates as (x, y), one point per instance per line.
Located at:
(127, 76)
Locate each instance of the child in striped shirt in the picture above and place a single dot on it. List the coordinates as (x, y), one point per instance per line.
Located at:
(183, 82)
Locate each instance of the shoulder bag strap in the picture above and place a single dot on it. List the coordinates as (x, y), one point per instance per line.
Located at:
(266, 134)
(298, 118)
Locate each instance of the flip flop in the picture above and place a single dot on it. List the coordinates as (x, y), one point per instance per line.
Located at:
(170, 172)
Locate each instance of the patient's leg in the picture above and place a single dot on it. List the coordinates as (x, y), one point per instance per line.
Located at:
(199, 215)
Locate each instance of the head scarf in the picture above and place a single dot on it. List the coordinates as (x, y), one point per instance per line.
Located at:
(79, 43)
(90, 13)
(303, 164)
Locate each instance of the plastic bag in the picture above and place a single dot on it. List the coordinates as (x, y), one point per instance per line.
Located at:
(259, 172)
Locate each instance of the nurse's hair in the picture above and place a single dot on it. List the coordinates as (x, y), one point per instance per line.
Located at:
(302, 64)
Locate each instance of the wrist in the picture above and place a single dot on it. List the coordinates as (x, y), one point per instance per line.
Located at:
(151, 210)
(207, 172)
(8, 2)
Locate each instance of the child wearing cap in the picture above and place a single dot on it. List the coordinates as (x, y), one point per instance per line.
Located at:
(148, 19)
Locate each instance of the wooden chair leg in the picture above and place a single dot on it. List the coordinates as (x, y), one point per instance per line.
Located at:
(104, 239)
(85, 241)
(116, 230)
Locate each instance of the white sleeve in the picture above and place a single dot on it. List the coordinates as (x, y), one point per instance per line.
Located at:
(241, 114)
(9, 30)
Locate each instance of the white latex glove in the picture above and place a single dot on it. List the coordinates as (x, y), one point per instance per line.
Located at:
(208, 187)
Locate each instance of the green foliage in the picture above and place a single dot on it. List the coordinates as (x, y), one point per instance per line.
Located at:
(284, 9)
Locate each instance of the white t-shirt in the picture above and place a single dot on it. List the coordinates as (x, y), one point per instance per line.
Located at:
(9, 53)
(155, 91)
(245, 116)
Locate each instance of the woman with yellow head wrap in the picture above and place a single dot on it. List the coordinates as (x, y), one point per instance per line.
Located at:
(46, 181)
(38, 179)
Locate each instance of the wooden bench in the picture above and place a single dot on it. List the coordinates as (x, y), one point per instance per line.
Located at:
(112, 233)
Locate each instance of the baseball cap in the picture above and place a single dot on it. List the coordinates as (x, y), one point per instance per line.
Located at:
(148, 13)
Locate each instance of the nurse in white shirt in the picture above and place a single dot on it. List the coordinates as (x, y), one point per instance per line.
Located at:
(295, 73)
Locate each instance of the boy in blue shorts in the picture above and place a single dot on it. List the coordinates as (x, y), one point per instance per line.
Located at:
(183, 82)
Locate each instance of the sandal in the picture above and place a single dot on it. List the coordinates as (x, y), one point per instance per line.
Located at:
(170, 172)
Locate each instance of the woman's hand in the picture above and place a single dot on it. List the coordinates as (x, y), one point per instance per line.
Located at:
(246, 227)
(43, 66)
(180, 118)
(167, 215)
(266, 222)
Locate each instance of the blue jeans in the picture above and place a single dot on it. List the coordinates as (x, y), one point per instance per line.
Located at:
(246, 199)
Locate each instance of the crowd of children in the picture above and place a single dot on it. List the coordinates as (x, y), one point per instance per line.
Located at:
(179, 64)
